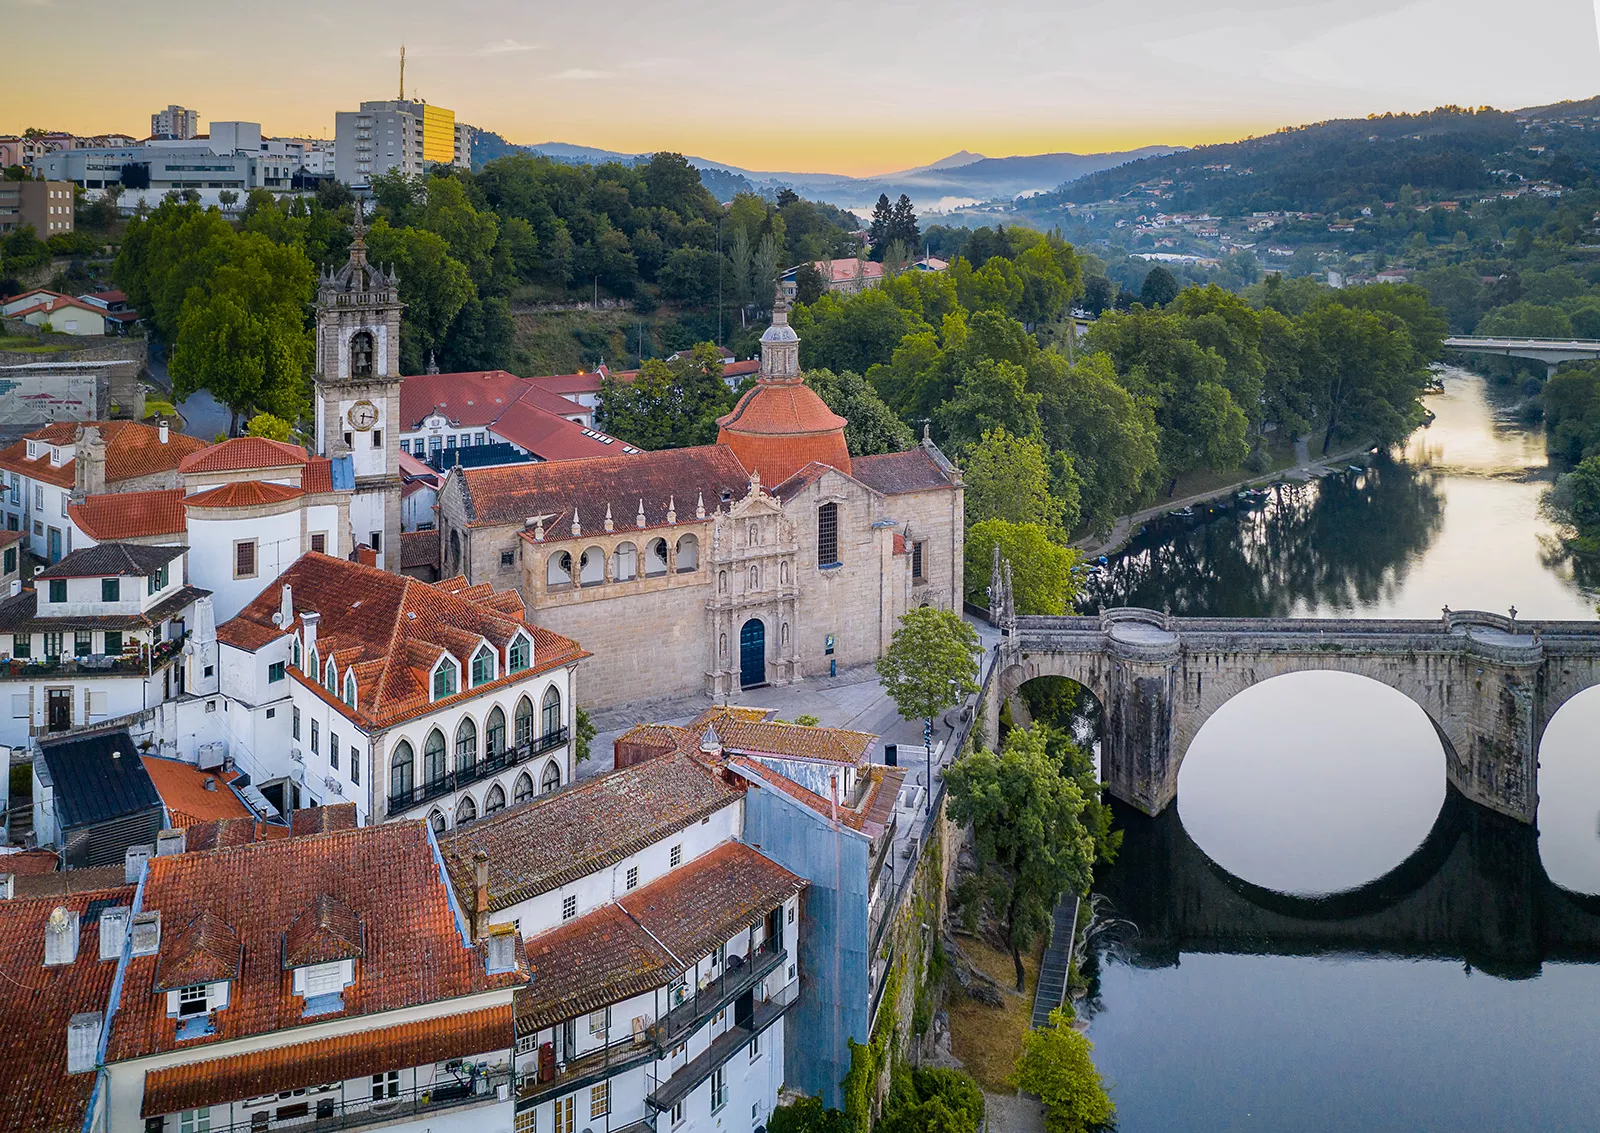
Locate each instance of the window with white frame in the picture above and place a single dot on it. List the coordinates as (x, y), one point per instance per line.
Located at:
(599, 1100)
(597, 1022)
(482, 666)
(194, 1000)
(755, 1046)
(386, 1085)
(675, 856)
(195, 1120)
(444, 679)
(569, 908)
(719, 1089)
(633, 877)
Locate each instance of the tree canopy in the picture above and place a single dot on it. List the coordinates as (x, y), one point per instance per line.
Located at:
(930, 664)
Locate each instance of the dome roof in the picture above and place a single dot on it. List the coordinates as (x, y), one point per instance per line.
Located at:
(779, 427)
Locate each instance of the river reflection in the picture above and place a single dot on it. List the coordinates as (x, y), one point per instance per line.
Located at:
(1452, 977)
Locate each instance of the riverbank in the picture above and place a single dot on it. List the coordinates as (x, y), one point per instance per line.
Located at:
(1304, 468)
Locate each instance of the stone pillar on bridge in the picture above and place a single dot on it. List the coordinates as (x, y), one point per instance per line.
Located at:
(1137, 760)
(1490, 723)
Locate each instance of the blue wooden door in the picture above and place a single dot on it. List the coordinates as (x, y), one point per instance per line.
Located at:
(55, 545)
(752, 654)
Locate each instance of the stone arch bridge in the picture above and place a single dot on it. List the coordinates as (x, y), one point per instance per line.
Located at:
(1490, 684)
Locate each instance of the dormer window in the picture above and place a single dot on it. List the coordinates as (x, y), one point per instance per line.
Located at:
(445, 679)
(520, 655)
(321, 948)
(296, 648)
(330, 677)
(350, 688)
(482, 666)
(33, 450)
(315, 666)
(158, 580)
(194, 1000)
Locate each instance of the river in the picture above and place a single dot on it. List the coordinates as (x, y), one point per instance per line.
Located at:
(1319, 934)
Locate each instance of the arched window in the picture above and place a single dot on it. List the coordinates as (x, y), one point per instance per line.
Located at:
(444, 678)
(466, 812)
(455, 548)
(688, 554)
(361, 354)
(349, 688)
(592, 567)
(494, 800)
(402, 774)
(297, 653)
(552, 712)
(315, 666)
(551, 778)
(466, 747)
(558, 569)
(519, 658)
(625, 562)
(523, 720)
(655, 558)
(330, 676)
(828, 535)
(524, 789)
(436, 820)
(433, 762)
(495, 734)
(482, 666)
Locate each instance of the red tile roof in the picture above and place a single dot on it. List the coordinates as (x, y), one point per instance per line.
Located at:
(779, 427)
(182, 787)
(205, 950)
(419, 549)
(549, 436)
(130, 515)
(323, 933)
(568, 385)
(682, 477)
(132, 450)
(570, 833)
(9, 537)
(243, 453)
(390, 629)
(472, 398)
(388, 875)
(895, 472)
(650, 935)
(360, 1054)
(36, 1003)
(244, 493)
(778, 740)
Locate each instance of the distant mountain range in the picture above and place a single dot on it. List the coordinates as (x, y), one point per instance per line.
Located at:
(962, 178)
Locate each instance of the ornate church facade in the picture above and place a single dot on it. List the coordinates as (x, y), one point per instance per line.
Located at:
(771, 556)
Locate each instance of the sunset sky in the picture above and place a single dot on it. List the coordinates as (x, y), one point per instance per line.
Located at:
(845, 87)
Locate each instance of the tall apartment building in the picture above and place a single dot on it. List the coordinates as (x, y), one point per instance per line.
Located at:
(175, 122)
(404, 134)
(45, 205)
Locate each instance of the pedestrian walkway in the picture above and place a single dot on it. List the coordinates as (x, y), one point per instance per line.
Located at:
(1051, 991)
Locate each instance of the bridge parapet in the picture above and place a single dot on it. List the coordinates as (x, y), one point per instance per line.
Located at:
(1111, 617)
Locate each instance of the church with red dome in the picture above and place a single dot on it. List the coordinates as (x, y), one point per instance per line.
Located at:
(771, 556)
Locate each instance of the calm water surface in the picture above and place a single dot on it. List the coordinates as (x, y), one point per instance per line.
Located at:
(1319, 935)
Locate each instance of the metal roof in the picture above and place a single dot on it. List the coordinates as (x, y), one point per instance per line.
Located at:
(98, 777)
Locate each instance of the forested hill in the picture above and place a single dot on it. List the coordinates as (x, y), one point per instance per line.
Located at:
(1321, 167)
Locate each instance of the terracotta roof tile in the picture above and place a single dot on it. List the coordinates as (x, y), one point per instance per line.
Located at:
(105, 559)
(779, 427)
(182, 787)
(324, 819)
(326, 931)
(206, 950)
(601, 958)
(693, 909)
(398, 622)
(359, 1054)
(783, 741)
(130, 515)
(318, 475)
(30, 862)
(512, 493)
(36, 1003)
(132, 449)
(244, 493)
(244, 453)
(895, 472)
(570, 833)
(388, 875)
(550, 436)
(472, 398)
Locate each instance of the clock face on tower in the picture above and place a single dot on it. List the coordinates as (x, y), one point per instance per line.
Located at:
(363, 415)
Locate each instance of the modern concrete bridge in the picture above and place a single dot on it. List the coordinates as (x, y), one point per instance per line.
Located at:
(1551, 351)
(1490, 684)
(1474, 890)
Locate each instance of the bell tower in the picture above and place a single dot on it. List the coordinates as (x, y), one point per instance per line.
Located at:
(357, 392)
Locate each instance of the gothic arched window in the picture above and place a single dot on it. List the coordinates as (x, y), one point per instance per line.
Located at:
(361, 354)
(551, 778)
(524, 789)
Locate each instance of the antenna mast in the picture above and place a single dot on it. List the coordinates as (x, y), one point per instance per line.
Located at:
(402, 71)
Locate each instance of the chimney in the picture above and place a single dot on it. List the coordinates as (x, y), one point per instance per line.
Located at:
(162, 430)
(480, 892)
(366, 556)
(170, 842)
(89, 463)
(309, 621)
(286, 608)
(133, 863)
(8, 886)
(502, 955)
(83, 1041)
(113, 931)
(144, 930)
(16, 587)
(61, 936)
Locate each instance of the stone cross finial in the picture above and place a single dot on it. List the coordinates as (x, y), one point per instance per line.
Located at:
(538, 529)
(577, 527)
(433, 364)
(672, 509)
(700, 506)
(639, 519)
(755, 481)
(609, 525)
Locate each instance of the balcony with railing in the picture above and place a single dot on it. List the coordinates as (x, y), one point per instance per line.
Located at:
(314, 1113)
(542, 1077)
(693, 1006)
(663, 1093)
(465, 774)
